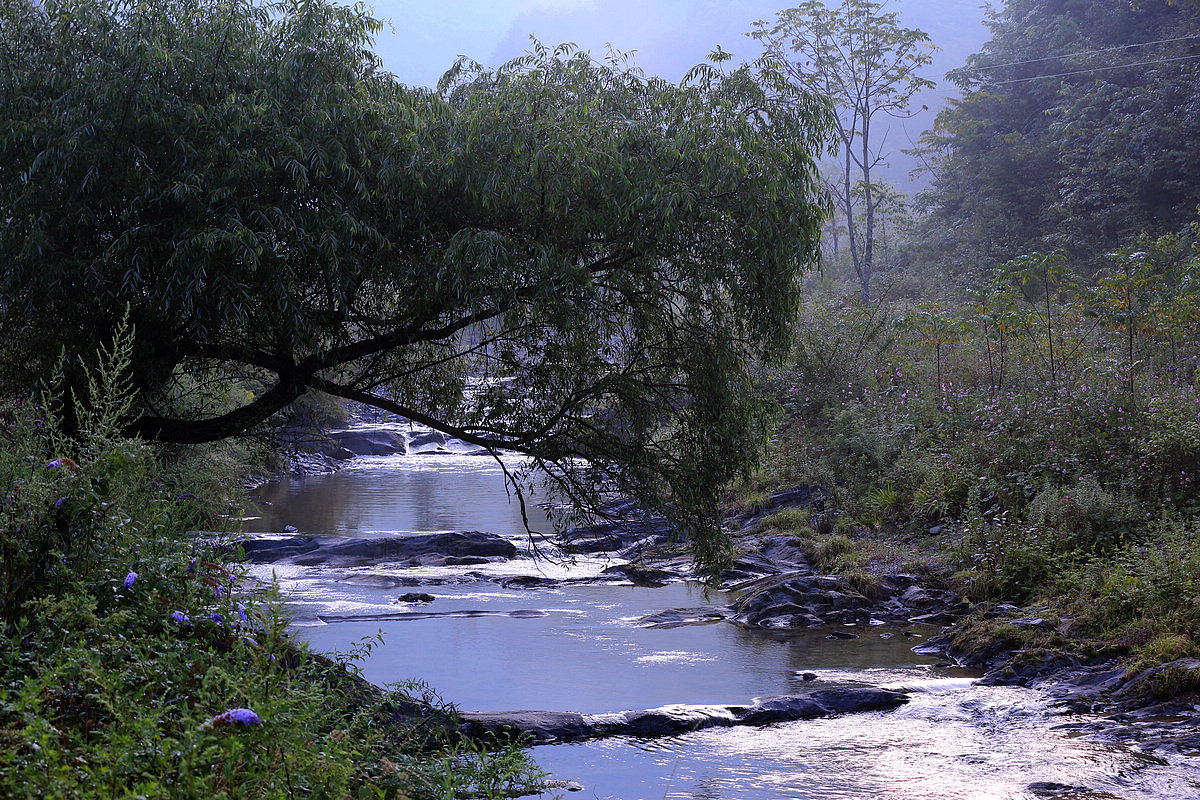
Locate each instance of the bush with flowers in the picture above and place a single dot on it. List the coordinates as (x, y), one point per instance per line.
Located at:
(135, 660)
(1042, 426)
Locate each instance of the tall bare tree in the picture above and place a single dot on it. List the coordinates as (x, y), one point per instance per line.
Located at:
(861, 58)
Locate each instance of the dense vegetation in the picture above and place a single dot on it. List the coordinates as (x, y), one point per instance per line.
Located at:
(1017, 413)
(1098, 152)
(280, 215)
(239, 192)
(558, 256)
(135, 661)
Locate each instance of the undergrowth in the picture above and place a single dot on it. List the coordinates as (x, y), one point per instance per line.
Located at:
(1024, 447)
(138, 661)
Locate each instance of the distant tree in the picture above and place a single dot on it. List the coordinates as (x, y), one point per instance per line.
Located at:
(867, 64)
(557, 257)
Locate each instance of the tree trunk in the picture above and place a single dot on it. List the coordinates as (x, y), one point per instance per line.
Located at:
(869, 205)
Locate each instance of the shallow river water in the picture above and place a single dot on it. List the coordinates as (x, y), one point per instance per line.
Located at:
(578, 647)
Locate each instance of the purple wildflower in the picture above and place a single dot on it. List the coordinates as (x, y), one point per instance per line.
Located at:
(219, 590)
(217, 618)
(248, 640)
(130, 578)
(235, 716)
(55, 464)
(186, 496)
(241, 610)
(59, 502)
(180, 617)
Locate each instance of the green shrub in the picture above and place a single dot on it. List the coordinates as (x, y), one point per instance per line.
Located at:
(1082, 517)
(135, 661)
(826, 550)
(790, 520)
(1143, 596)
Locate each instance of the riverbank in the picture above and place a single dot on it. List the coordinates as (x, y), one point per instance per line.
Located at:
(137, 659)
(795, 571)
(1110, 636)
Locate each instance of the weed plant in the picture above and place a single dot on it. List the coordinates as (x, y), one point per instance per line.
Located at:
(137, 660)
(1047, 437)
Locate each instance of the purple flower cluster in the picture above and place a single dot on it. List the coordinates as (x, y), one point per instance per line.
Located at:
(235, 716)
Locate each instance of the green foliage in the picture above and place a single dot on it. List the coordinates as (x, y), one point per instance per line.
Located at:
(79, 513)
(1144, 597)
(1084, 517)
(124, 638)
(1010, 417)
(792, 520)
(600, 252)
(860, 57)
(1074, 132)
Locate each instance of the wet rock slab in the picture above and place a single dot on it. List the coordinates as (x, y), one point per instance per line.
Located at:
(367, 442)
(402, 616)
(683, 617)
(565, 726)
(640, 575)
(427, 549)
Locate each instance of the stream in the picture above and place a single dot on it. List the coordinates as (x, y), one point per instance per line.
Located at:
(578, 646)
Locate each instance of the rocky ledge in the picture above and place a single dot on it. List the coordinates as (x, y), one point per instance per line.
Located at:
(799, 599)
(543, 727)
(1157, 708)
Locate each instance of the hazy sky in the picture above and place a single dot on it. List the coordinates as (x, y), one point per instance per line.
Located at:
(423, 37)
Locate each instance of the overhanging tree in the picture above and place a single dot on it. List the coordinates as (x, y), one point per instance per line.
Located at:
(558, 257)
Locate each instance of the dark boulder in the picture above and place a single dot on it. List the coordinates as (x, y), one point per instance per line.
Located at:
(1023, 667)
(539, 726)
(798, 599)
(421, 442)
(609, 537)
(267, 550)
(822, 703)
(529, 582)
(1055, 789)
(681, 617)
(640, 575)
(368, 442)
(564, 726)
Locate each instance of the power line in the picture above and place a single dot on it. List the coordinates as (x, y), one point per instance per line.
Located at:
(1096, 69)
(1082, 53)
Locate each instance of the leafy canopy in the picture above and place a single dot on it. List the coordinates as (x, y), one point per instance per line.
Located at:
(558, 256)
(1076, 131)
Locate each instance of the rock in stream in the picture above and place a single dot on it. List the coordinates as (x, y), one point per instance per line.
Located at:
(566, 726)
(424, 549)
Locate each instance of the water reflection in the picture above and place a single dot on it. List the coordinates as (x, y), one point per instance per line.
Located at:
(399, 493)
(578, 647)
